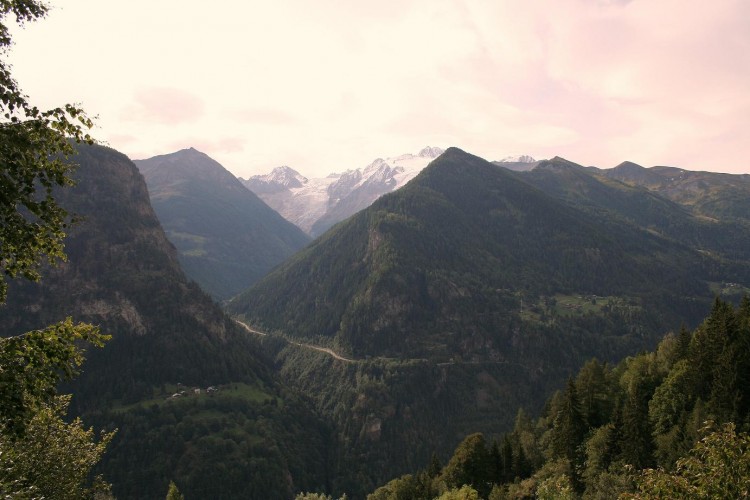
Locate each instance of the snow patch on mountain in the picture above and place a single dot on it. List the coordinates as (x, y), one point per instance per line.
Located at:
(316, 204)
(517, 159)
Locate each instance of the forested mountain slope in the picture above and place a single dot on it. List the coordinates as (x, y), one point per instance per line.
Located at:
(226, 237)
(470, 292)
(679, 408)
(123, 275)
(454, 258)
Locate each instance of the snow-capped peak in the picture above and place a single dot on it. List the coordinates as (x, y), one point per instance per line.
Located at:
(283, 176)
(517, 159)
(431, 152)
(317, 203)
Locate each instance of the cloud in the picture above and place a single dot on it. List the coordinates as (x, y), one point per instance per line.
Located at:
(164, 105)
(264, 116)
(336, 83)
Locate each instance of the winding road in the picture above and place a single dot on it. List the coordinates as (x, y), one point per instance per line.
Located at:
(325, 350)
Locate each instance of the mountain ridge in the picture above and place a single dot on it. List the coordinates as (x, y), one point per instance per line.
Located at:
(226, 236)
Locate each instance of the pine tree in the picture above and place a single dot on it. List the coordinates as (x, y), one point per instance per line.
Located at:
(683, 342)
(507, 458)
(173, 493)
(569, 426)
(433, 470)
(636, 443)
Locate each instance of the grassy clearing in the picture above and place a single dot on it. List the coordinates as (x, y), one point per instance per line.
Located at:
(559, 305)
(166, 395)
(728, 290)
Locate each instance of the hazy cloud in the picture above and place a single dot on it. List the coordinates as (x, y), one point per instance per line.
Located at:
(165, 105)
(268, 116)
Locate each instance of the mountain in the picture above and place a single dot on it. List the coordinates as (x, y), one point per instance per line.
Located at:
(315, 205)
(518, 163)
(168, 336)
(621, 193)
(473, 291)
(462, 228)
(710, 194)
(226, 237)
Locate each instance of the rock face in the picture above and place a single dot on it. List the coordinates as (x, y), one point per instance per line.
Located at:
(226, 237)
(123, 274)
(315, 205)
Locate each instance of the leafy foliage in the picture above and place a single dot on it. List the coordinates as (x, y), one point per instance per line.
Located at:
(717, 467)
(219, 445)
(33, 146)
(53, 459)
(32, 365)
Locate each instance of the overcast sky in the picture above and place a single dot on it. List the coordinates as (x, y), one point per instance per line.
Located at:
(328, 85)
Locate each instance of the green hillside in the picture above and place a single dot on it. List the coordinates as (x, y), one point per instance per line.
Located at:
(473, 291)
(671, 423)
(453, 261)
(710, 194)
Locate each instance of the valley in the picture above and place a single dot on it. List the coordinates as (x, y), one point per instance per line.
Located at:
(243, 270)
(436, 312)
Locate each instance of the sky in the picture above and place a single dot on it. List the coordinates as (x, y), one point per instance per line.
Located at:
(330, 85)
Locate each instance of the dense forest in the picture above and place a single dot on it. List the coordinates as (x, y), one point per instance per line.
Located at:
(671, 423)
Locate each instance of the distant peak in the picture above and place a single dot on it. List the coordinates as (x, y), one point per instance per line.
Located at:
(282, 176)
(431, 152)
(629, 165)
(518, 159)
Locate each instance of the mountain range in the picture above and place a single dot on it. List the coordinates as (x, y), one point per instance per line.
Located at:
(226, 237)
(472, 291)
(467, 231)
(709, 194)
(316, 204)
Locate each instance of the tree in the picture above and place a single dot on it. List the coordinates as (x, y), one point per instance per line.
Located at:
(466, 492)
(717, 467)
(31, 365)
(569, 426)
(41, 455)
(174, 493)
(592, 386)
(53, 459)
(34, 145)
(469, 465)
